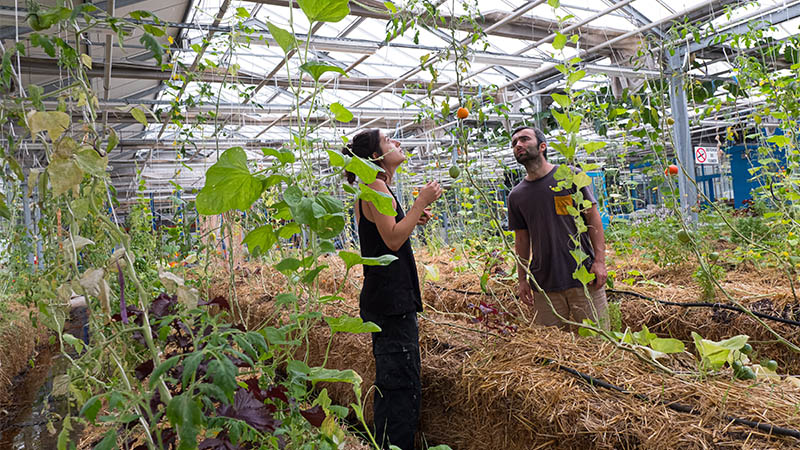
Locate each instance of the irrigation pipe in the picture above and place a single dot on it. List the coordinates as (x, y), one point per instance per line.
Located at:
(708, 305)
(679, 407)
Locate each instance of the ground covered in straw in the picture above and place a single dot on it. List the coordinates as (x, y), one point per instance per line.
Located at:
(491, 380)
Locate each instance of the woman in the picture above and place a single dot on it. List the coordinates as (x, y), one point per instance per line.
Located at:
(391, 296)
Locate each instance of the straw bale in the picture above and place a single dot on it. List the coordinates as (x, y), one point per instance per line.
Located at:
(483, 391)
(18, 342)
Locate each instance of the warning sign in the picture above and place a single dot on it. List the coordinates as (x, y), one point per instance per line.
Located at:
(706, 155)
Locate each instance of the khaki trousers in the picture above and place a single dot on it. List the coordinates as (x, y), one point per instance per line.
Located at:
(572, 304)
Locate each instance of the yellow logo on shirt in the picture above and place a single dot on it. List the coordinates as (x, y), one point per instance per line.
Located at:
(561, 203)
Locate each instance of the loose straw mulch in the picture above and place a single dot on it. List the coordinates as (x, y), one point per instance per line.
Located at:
(482, 390)
(765, 291)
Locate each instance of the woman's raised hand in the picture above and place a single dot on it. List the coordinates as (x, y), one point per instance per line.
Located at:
(429, 193)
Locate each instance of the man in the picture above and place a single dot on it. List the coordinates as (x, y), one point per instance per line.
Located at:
(543, 231)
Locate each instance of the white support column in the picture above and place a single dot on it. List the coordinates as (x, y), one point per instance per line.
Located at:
(26, 215)
(683, 139)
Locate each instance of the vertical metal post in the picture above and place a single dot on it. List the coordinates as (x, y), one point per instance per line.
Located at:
(26, 214)
(153, 211)
(536, 100)
(37, 216)
(682, 138)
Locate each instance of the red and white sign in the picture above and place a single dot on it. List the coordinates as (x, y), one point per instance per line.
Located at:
(706, 155)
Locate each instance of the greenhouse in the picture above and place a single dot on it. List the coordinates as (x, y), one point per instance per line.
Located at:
(402, 224)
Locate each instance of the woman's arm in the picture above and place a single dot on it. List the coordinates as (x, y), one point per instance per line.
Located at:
(393, 233)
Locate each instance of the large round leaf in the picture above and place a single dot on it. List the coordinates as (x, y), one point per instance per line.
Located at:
(325, 10)
(229, 185)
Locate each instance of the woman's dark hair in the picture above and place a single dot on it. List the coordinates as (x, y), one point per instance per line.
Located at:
(363, 145)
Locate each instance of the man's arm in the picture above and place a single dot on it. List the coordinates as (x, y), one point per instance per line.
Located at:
(598, 238)
(522, 245)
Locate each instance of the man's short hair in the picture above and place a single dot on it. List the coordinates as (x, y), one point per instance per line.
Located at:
(540, 137)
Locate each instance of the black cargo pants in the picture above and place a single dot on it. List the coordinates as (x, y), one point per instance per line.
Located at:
(397, 366)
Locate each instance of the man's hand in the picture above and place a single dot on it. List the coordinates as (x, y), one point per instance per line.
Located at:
(425, 217)
(525, 293)
(600, 274)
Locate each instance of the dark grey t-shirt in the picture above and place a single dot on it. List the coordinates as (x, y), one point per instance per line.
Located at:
(534, 206)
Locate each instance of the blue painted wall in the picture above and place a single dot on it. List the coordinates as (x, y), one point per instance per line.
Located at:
(744, 157)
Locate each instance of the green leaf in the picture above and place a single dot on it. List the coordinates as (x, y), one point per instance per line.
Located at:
(331, 204)
(336, 158)
(381, 200)
(284, 156)
(316, 69)
(667, 345)
(327, 247)
(113, 141)
(109, 441)
(4, 211)
(779, 140)
(365, 170)
(311, 275)
(561, 99)
(293, 195)
(151, 43)
(582, 180)
(38, 40)
(13, 164)
(229, 185)
(184, 413)
(63, 436)
(289, 230)
(329, 226)
(431, 272)
(284, 38)
(223, 373)
(86, 60)
(90, 162)
(307, 212)
(592, 147)
(561, 118)
(325, 10)
(554, 3)
(64, 174)
(90, 409)
(575, 77)
(583, 275)
(644, 336)
(288, 265)
(390, 6)
(190, 365)
(260, 240)
(352, 259)
(585, 332)
(139, 115)
(242, 12)
(347, 324)
(559, 42)
(212, 391)
(318, 374)
(341, 113)
(162, 369)
(54, 122)
(714, 355)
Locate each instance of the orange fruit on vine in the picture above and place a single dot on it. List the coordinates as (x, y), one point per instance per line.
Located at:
(462, 113)
(671, 170)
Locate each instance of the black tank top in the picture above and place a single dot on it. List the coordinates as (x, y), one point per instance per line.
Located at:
(393, 289)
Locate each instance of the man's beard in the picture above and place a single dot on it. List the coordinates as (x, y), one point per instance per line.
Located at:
(528, 160)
